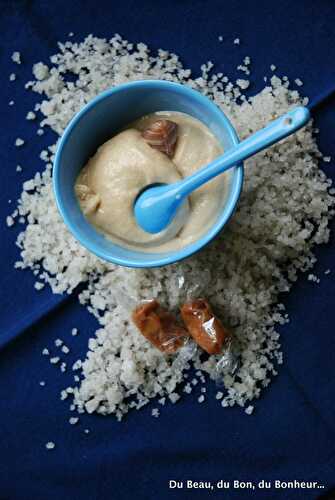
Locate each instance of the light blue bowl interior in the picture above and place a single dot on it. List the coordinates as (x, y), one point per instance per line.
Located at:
(102, 118)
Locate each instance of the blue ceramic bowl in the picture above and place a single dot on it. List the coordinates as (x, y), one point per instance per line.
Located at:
(102, 118)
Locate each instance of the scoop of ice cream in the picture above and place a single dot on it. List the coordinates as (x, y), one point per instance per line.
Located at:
(114, 176)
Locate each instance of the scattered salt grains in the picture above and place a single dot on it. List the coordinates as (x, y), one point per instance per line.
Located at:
(74, 332)
(30, 115)
(188, 389)
(63, 395)
(174, 397)
(11, 103)
(121, 369)
(40, 131)
(41, 71)
(38, 285)
(298, 82)
(12, 77)
(237, 41)
(65, 349)
(249, 410)
(54, 360)
(219, 395)
(273, 67)
(155, 412)
(201, 398)
(18, 168)
(50, 445)
(63, 367)
(73, 420)
(10, 221)
(243, 84)
(327, 159)
(327, 271)
(19, 142)
(16, 57)
(87, 431)
(220, 38)
(45, 352)
(42, 383)
(58, 342)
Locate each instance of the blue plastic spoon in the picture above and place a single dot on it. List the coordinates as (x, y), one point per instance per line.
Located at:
(158, 206)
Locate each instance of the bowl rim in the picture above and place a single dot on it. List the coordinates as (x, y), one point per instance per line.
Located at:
(157, 259)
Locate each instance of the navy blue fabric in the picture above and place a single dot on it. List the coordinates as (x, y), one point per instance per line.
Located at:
(291, 433)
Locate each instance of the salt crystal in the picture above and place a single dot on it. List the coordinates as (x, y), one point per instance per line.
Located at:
(54, 360)
(155, 412)
(298, 82)
(249, 410)
(16, 57)
(173, 397)
(30, 115)
(10, 221)
(243, 84)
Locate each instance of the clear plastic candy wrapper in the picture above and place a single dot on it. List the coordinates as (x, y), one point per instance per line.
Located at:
(228, 362)
(159, 326)
(204, 327)
(187, 323)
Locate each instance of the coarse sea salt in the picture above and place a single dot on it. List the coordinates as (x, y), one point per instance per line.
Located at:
(242, 273)
(30, 115)
(16, 57)
(19, 142)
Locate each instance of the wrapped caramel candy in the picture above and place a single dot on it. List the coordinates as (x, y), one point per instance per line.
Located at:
(162, 135)
(159, 326)
(202, 324)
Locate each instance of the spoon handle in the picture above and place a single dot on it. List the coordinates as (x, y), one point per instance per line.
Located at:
(274, 132)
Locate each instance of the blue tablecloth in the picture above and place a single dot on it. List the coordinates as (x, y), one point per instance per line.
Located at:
(291, 433)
